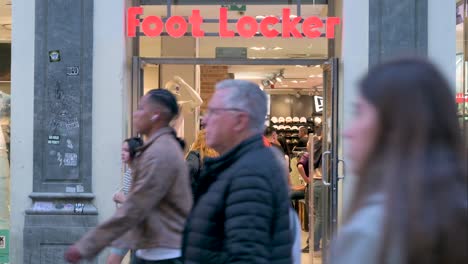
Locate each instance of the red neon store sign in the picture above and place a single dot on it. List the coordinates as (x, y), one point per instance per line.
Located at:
(247, 26)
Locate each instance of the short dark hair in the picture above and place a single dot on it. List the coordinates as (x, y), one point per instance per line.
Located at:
(165, 98)
(133, 144)
(269, 131)
(303, 129)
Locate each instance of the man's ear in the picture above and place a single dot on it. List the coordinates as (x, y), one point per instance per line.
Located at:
(243, 122)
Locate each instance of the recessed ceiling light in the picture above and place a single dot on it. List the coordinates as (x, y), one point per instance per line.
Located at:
(317, 66)
(277, 48)
(257, 48)
(300, 66)
(294, 81)
(302, 81)
(312, 76)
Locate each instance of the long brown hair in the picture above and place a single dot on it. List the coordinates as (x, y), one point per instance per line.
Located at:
(200, 145)
(418, 163)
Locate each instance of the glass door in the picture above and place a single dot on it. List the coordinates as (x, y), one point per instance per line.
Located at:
(330, 159)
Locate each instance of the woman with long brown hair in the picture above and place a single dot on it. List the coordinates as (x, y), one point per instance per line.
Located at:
(405, 146)
(197, 153)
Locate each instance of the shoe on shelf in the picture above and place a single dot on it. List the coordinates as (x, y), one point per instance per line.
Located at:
(305, 249)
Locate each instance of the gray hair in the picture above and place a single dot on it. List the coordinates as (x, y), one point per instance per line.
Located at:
(246, 96)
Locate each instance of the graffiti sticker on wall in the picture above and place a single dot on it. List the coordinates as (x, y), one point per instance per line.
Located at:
(70, 159)
(54, 56)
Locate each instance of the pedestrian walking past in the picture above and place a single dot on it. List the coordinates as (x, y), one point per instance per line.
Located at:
(154, 213)
(241, 214)
(196, 156)
(129, 149)
(405, 146)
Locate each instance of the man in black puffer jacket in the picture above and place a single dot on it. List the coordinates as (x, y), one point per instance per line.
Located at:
(242, 203)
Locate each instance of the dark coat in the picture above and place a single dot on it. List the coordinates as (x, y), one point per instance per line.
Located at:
(241, 213)
(195, 166)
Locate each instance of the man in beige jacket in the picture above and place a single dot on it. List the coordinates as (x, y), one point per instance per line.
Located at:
(152, 218)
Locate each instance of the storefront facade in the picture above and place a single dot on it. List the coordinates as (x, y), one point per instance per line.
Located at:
(117, 62)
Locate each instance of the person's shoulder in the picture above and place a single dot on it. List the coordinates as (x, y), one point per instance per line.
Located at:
(193, 154)
(373, 208)
(360, 238)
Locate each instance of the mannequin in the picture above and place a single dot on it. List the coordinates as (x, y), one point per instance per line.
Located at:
(187, 98)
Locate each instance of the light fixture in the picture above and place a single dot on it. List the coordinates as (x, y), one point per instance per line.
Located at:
(279, 76)
(257, 48)
(312, 76)
(277, 48)
(317, 66)
(294, 81)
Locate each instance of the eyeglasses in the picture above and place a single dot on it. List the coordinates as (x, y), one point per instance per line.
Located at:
(214, 110)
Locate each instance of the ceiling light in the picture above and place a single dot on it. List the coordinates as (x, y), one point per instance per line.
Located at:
(300, 66)
(317, 66)
(302, 81)
(294, 81)
(257, 48)
(312, 76)
(277, 48)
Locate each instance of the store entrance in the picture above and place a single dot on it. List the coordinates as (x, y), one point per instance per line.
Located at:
(303, 95)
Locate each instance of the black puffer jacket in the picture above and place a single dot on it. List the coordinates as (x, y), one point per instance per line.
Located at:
(241, 213)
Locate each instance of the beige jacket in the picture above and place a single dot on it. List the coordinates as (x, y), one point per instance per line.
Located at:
(157, 206)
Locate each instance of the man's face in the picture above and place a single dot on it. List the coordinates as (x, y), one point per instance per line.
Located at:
(222, 124)
(274, 136)
(142, 116)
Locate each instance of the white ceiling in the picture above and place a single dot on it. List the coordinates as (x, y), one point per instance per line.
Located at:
(295, 77)
(5, 20)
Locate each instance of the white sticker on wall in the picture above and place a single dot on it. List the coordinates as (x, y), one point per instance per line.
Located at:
(70, 189)
(79, 188)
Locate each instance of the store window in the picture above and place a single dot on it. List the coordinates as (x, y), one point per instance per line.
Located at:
(5, 92)
(462, 65)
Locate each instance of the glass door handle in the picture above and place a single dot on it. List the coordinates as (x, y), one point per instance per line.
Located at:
(324, 155)
(344, 169)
